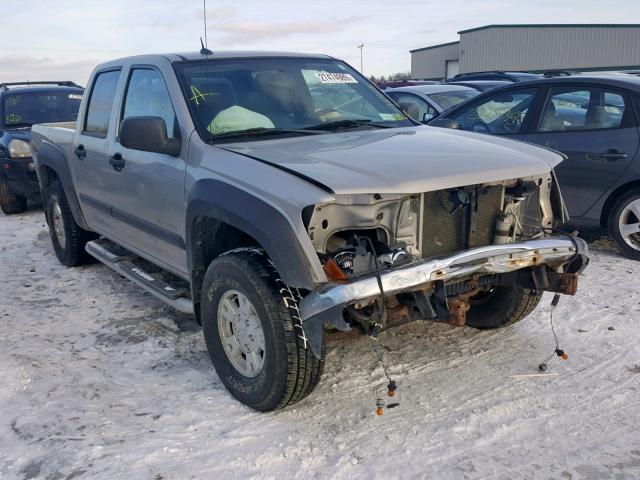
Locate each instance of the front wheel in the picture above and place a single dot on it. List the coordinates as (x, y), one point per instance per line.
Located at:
(501, 306)
(10, 203)
(254, 334)
(624, 224)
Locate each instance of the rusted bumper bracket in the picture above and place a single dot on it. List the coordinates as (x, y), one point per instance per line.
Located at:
(553, 252)
(546, 256)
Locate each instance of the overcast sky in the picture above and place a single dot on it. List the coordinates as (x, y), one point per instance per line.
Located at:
(58, 39)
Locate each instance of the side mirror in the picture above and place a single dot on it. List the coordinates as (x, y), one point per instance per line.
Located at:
(148, 134)
(427, 116)
(444, 123)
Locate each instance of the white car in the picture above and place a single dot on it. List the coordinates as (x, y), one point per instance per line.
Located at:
(424, 102)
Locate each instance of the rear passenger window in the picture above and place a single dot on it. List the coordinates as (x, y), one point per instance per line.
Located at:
(147, 96)
(581, 109)
(100, 103)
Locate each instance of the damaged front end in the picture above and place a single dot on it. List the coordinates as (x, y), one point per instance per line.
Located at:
(392, 259)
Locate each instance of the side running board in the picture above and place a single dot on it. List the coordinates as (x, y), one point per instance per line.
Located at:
(131, 267)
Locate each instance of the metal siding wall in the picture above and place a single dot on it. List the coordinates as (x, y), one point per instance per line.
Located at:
(547, 48)
(431, 63)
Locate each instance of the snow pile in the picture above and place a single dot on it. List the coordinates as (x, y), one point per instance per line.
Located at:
(101, 381)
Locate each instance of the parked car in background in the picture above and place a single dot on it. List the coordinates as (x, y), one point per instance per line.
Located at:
(481, 85)
(424, 102)
(404, 83)
(594, 121)
(23, 104)
(496, 75)
(223, 186)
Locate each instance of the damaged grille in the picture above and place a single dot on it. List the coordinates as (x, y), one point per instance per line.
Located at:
(449, 226)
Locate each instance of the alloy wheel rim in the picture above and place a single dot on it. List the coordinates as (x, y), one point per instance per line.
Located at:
(629, 224)
(241, 333)
(58, 223)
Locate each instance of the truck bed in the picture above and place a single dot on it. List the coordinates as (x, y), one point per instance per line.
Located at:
(59, 134)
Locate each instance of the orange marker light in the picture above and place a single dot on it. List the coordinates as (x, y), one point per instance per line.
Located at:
(564, 356)
(391, 393)
(379, 411)
(333, 271)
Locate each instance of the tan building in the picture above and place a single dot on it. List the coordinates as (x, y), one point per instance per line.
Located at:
(533, 48)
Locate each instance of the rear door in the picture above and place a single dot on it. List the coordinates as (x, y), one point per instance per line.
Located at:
(148, 190)
(92, 144)
(595, 128)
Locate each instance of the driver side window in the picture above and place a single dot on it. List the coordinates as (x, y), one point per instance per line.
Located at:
(147, 95)
(501, 114)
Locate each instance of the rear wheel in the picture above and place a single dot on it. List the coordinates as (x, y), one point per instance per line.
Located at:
(624, 224)
(254, 334)
(10, 203)
(501, 306)
(67, 237)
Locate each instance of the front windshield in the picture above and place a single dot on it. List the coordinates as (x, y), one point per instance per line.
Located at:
(288, 95)
(446, 100)
(25, 109)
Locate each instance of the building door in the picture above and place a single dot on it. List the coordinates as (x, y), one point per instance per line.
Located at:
(452, 68)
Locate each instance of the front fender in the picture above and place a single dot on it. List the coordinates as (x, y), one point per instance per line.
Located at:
(253, 216)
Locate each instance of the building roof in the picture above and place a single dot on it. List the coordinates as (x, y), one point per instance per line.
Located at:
(434, 46)
(555, 25)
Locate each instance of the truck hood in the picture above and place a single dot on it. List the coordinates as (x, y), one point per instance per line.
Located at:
(401, 160)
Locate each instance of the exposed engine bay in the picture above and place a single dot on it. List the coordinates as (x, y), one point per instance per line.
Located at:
(362, 235)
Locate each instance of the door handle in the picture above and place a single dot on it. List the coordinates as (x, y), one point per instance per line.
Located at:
(117, 162)
(80, 152)
(612, 155)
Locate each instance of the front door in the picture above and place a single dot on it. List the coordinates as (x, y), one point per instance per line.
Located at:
(595, 128)
(148, 188)
(504, 113)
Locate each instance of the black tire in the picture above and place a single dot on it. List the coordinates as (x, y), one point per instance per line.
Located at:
(71, 253)
(501, 306)
(10, 203)
(290, 371)
(614, 225)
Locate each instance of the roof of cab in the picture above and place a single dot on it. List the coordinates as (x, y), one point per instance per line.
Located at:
(216, 55)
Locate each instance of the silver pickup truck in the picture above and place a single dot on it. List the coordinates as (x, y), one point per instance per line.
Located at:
(276, 195)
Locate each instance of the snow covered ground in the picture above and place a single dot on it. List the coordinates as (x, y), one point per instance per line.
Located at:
(101, 381)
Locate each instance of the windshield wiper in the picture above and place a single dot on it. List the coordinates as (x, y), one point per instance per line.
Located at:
(258, 132)
(347, 123)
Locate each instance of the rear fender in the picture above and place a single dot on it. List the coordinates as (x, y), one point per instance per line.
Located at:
(51, 158)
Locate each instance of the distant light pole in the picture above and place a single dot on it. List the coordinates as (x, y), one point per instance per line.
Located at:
(361, 46)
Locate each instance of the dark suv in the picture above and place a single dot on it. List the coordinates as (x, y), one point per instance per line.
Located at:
(496, 75)
(22, 105)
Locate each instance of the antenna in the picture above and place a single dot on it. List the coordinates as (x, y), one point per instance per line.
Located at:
(361, 46)
(204, 50)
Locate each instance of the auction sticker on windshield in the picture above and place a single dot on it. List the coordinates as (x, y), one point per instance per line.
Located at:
(326, 77)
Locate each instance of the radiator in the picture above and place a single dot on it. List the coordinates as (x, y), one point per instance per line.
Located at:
(445, 231)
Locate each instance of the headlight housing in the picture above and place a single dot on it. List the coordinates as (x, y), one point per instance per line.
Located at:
(19, 149)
